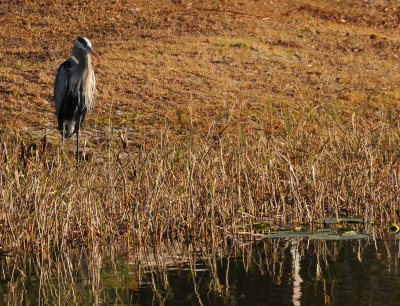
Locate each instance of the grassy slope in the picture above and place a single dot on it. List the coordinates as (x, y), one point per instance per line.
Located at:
(167, 64)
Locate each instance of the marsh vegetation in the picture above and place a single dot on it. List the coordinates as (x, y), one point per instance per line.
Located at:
(210, 117)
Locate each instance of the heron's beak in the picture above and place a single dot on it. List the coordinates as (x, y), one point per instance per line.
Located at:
(92, 52)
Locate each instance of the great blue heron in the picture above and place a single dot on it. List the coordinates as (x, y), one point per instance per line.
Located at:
(74, 89)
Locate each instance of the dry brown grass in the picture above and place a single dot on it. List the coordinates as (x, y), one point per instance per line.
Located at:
(209, 115)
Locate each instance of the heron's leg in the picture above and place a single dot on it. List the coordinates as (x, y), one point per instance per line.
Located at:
(62, 140)
(77, 147)
(77, 144)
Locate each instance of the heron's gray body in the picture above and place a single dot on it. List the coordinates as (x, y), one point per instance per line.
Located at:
(74, 89)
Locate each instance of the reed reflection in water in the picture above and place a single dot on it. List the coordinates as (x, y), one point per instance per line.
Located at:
(297, 271)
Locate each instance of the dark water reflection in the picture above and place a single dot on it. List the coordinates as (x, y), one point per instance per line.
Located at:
(274, 272)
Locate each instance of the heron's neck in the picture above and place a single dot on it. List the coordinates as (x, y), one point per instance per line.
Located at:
(84, 61)
(84, 64)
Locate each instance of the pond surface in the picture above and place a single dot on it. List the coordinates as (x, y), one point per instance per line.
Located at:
(298, 271)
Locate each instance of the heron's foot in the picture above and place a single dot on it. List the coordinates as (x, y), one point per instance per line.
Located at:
(83, 156)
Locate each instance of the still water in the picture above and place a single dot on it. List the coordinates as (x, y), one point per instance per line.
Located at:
(298, 271)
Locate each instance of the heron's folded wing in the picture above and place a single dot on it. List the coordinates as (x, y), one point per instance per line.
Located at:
(61, 83)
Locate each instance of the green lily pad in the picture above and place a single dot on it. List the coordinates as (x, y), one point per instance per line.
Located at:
(343, 220)
(242, 227)
(261, 224)
(349, 235)
(323, 231)
(287, 234)
(344, 229)
(394, 228)
(351, 220)
(321, 234)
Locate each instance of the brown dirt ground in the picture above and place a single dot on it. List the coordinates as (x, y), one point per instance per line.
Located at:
(191, 65)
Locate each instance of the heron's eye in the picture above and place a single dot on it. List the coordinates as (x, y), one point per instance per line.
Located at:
(82, 41)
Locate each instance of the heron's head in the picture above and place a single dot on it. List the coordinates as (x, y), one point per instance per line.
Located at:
(84, 43)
